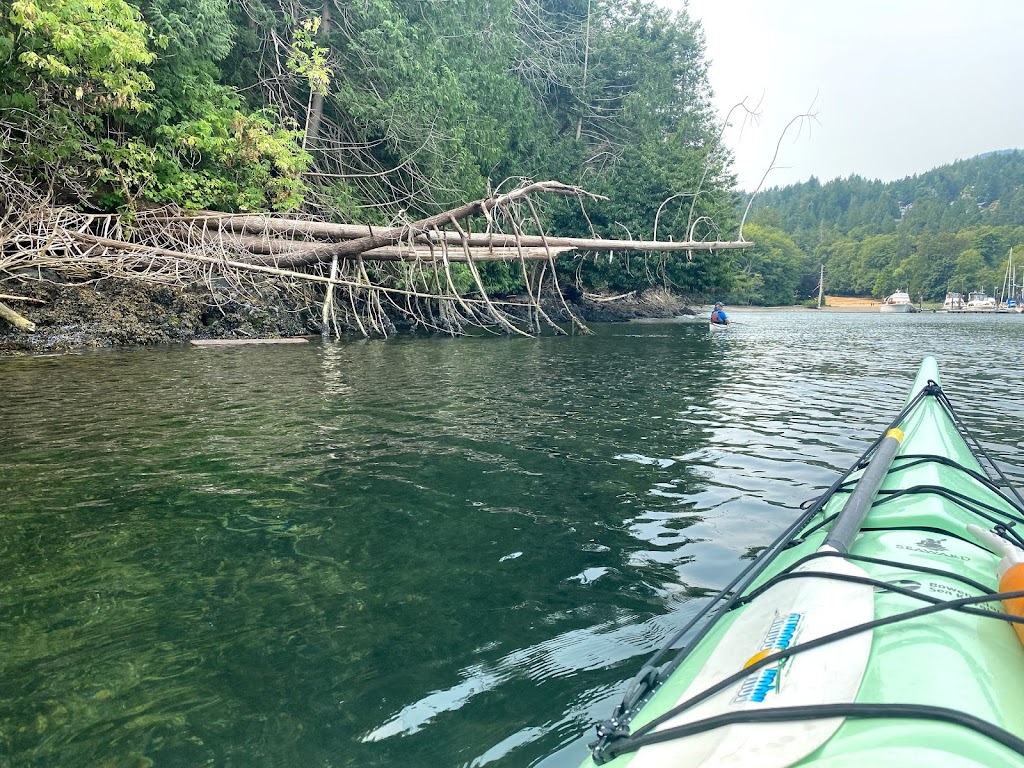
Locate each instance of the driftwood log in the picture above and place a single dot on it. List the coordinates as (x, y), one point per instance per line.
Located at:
(15, 319)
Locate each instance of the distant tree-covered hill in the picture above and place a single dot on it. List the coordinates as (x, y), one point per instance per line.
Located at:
(950, 228)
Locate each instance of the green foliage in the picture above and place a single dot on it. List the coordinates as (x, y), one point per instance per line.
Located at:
(100, 99)
(309, 60)
(195, 36)
(969, 268)
(985, 190)
(227, 161)
(87, 54)
(771, 272)
(231, 161)
(501, 278)
(71, 66)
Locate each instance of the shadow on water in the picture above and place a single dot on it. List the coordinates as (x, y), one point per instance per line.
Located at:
(417, 552)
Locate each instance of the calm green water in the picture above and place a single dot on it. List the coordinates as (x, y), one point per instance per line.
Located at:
(420, 552)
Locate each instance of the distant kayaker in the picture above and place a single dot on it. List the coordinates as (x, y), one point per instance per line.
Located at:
(718, 316)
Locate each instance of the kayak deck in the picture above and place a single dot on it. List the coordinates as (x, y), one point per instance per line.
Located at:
(894, 653)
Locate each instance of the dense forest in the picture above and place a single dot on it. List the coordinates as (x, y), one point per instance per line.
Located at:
(386, 111)
(375, 112)
(949, 229)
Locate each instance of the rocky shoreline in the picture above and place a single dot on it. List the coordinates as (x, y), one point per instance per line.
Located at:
(112, 313)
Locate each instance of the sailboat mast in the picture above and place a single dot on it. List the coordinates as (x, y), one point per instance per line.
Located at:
(1013, 279)
(1007, 290)
(821, 285)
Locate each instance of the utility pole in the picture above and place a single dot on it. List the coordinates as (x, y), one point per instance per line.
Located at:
(821, 285)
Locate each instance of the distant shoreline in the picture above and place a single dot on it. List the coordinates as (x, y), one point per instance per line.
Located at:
(833, 305)
(847, 309)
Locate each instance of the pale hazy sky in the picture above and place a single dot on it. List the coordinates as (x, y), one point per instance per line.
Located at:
(899, 86)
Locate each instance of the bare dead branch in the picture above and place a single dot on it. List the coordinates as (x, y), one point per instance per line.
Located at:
(807, 116)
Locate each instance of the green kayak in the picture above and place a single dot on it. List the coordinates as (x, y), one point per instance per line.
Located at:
(881, 628)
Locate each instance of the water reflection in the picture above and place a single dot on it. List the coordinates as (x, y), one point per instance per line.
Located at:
(420, 552)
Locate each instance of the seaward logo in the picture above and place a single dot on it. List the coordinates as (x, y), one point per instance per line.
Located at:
(932, 547)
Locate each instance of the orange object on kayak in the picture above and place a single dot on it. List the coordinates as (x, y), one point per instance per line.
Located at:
(1010, 571)
(1013, 581)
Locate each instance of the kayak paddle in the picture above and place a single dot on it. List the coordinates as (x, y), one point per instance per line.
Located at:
(788, 614)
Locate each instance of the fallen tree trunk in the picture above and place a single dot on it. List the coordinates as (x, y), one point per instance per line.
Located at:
(471, 306)
(421, 251)
(107, 244)
(326, 251)
(406, 270)
(263, 225)
(351, 240)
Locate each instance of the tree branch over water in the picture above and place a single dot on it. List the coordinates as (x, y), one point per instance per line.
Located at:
(415, 262)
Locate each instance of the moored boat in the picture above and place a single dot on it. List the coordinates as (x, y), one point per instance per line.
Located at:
(954, 301)
(980, 301)
(898, 302)
(873, 632)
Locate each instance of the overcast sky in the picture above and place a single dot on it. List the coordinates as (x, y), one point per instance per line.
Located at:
(899, 86)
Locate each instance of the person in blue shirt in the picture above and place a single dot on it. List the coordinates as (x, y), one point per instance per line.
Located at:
(718, 316)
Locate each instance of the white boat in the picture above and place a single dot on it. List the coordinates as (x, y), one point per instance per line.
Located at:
(980, 301)
(898, 302)
(718, 327)
(954, 301)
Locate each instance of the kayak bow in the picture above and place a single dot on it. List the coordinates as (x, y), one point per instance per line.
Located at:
(870, 633)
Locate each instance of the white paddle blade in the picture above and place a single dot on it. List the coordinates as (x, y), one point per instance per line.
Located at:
(790, 613)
